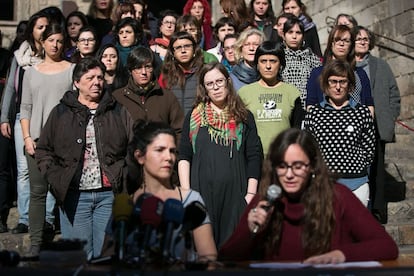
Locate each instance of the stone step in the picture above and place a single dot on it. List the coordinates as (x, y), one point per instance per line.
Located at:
(401, 212)
(403, 234)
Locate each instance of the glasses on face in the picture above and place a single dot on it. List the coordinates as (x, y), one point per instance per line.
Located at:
(334, 83)
(166, 22)
(219, 83)
(184, 47)
(298, 168)
(338, 40)
(228, 48)
(86, 40)
(362, 40)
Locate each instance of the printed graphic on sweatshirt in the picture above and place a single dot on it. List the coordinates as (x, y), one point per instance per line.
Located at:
(269, 108)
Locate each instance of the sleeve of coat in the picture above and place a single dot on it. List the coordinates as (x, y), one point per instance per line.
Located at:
(176, 116)
(186, 149)
(254, 149)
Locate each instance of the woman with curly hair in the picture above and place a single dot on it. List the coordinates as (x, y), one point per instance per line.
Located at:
(314, 220)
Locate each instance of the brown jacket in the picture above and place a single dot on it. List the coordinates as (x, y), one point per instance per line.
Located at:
(152, 105)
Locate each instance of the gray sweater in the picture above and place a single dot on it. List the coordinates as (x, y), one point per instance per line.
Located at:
(41, 93)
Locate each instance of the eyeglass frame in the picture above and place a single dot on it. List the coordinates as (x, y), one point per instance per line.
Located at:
(84, 40)
(345, 41)
(228, 48)
(302, 169)
(360, 39)
(334, 83)
(169, 22)
(211, 84)
(181, 47)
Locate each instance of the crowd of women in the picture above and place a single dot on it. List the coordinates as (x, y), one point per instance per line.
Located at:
(108, 103)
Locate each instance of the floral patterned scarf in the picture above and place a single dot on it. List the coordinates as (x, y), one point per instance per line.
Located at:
(222, 129)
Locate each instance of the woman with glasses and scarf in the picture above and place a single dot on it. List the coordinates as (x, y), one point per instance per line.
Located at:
(220, 152)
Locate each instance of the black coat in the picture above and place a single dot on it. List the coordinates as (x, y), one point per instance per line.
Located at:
(61, 146)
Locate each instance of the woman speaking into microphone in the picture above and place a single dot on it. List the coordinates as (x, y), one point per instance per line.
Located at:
(316, 220)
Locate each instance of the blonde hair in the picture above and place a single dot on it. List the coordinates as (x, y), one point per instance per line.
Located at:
(242, 38)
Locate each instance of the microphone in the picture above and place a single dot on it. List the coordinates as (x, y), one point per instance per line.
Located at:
(137, 209)
(272, 194)
(194, 215)
(137, 230)
(121, 210)
(173, 216)
(9, 258)
(151, 211)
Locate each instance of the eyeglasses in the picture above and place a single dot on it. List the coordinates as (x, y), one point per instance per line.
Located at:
(86, 40)
(147, 67)
(166, 22)
(334, 83)
(298, 168)
(362, 39)
(184, 47)
(340, 40)
(228, 48)
(219, 83)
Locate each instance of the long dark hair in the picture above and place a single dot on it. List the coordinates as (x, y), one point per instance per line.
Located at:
(340, 30)
(301, 6)
(29, 30)
(121, 76)
(171, 70)
(317, 198)
(269, 16)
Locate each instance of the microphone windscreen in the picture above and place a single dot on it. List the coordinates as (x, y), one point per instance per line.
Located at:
(173, 211)
(122, 207)
(151, 211)
(273, 193)
(137, 209)
(194, 215)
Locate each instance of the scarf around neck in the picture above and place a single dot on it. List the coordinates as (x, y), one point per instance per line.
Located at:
(308, 24)
(25, 56)
(222, 129)
(245, 73)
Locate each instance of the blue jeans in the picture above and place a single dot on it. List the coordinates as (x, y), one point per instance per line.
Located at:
(23, 183)
(85, 215)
